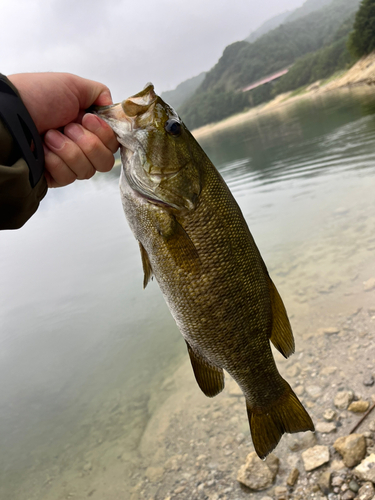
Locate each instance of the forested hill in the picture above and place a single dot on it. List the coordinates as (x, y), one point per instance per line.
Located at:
(307, 7)
(243, 63)
(267, 26)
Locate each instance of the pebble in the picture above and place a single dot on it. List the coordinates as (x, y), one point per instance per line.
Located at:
(154, 474)
(369, 285)
(294, 370)
(240, 438)
(372, 426)
(299, 390)
(293, 477)
(354, 486)
(301, 440)
(366, 492)
(338, 481)
(343, 399)
(348, 495)
(329, 415)
(352, 448)
(369, 381)
(315, 457)
(314, 391)
(331, 330)
(328, 370)
(366, 469)
(324, 482)
(359, 406)
(258, 474)
(281, 493)
(325, 427)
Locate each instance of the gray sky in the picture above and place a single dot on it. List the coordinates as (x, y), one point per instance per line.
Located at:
(127, 43)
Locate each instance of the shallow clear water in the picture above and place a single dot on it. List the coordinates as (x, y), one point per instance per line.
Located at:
(84, 350)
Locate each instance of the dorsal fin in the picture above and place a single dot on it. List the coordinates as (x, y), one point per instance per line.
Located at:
(281, 335)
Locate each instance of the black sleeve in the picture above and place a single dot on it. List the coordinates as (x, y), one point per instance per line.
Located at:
(21, 190)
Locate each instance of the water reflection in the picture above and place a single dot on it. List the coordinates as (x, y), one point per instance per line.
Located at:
(85, 352)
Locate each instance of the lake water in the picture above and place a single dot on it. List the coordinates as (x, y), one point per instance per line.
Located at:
(85, 351)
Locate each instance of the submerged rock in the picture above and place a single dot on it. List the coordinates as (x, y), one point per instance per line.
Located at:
(300, 440)
(315, 457)
(359, 406)
(329, 415)
(325, 427)
(257, 474)
(352, 448)
(369, 285)
(324, 482)
(343, 399)
(293, 477)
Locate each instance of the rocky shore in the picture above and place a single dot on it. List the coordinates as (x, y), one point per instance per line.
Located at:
(196, 448)
(202, 449)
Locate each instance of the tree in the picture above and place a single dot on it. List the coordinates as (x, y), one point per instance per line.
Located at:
(362, 39)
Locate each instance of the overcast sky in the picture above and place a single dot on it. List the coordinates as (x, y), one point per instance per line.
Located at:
(126, 43)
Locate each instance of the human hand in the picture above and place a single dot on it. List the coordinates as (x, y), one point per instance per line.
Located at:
(59, 100)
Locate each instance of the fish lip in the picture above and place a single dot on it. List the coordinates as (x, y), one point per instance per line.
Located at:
(115, 116)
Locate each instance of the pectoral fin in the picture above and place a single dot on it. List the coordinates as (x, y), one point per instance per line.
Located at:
(209, 378)
(180, 247)
(146, 265)
(281, 335)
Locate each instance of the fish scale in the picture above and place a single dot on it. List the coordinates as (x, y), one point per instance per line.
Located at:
(195, 241)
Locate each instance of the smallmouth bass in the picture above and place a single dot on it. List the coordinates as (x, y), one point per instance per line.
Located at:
(194, 239)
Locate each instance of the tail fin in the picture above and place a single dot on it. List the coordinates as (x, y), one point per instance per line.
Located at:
(287, 415)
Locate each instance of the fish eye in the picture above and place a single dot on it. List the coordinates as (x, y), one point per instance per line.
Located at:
(173, 127)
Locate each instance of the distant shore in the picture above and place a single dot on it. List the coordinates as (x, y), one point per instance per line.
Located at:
(362, 73)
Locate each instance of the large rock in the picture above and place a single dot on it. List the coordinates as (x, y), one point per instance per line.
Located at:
(257, 474)
(352, 448)
(366, 469)
(315, 457)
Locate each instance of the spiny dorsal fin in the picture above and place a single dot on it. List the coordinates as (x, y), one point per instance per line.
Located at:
(209, 378)
(281, 335)
(146, 265)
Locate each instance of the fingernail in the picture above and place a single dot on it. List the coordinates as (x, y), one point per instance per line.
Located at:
(92, 122)
(54, 139)
(74, 131)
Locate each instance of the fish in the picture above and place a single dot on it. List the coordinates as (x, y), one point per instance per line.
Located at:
(195, 241)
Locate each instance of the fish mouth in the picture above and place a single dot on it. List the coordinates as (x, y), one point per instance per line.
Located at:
(121, 117)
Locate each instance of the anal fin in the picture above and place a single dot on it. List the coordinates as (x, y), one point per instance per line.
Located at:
(281, 335)
(147, 269)
(209, 378)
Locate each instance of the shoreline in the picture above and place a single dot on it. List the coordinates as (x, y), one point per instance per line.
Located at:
(362, 73)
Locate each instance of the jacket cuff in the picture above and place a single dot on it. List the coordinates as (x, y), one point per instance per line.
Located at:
(18, 200)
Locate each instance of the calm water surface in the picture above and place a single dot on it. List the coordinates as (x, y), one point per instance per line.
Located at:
(84, 350)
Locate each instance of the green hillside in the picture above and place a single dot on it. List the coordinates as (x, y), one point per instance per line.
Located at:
(243, 63)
